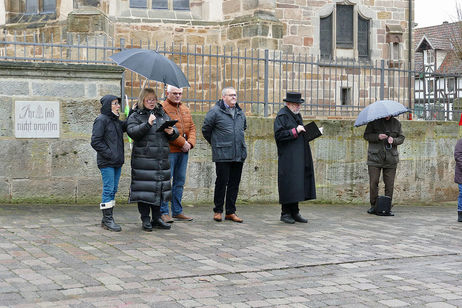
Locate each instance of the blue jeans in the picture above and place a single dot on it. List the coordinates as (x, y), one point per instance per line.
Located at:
(111, 178)
(178, 165)
(459, 200)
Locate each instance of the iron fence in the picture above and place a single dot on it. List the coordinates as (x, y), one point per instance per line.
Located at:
(333, 88)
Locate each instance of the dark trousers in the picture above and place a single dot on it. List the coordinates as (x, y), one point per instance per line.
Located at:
(290, 208)
(388, 180)
(227, 184)
(145, 208)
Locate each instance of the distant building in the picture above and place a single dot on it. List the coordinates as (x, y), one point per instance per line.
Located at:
(439, 67)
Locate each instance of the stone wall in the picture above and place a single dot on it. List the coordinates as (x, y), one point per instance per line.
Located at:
(64, 170)
(52, 170)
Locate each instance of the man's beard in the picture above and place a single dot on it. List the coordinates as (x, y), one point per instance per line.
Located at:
(294, 111)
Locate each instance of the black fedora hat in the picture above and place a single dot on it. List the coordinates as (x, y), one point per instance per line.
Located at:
(294, 97)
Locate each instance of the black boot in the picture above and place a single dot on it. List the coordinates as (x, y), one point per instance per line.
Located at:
(459, 214)
(298, 218)
(146, 223)
(108, 221)
(371, 210)
(160, 224)
(287, 218)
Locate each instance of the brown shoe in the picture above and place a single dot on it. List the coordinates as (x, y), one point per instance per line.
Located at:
(166, 218)
(233, 217)
(217, 216)
(182, 217)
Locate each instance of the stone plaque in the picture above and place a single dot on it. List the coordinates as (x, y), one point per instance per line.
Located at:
(36, 119)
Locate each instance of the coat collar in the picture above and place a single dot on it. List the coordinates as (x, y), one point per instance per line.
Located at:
(221, 104)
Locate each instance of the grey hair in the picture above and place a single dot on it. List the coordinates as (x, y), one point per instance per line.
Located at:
(143, 94)
(223, 92)
(170, 88)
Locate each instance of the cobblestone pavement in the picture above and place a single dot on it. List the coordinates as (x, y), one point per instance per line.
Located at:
(59, 256)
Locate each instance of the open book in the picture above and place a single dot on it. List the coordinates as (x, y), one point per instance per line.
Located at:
(312, 131)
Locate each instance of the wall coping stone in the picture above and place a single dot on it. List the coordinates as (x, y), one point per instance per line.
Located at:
(35, 69)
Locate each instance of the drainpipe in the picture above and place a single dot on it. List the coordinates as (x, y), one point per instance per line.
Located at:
(410, 29)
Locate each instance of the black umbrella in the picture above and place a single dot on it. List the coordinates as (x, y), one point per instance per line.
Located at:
(151, 65)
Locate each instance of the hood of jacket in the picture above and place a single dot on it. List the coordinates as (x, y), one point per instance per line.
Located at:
(106, 101)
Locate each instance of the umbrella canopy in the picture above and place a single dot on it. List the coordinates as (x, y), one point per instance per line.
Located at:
(151, 65)
(378, 110)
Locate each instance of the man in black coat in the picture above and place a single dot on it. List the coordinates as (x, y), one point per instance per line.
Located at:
(295, 164)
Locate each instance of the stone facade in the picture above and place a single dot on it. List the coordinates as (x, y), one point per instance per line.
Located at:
(289, 25)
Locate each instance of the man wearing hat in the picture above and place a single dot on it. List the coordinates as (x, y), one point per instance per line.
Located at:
(295, 164)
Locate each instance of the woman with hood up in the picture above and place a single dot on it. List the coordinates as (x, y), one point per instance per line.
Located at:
(107, 140)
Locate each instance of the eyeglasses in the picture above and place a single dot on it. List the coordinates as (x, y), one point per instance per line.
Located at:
(115, 104)
(232, 95)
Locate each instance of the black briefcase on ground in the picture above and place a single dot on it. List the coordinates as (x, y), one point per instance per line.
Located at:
(383, 206)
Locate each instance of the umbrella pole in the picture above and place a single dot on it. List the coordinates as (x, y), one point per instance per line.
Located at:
(144, 84)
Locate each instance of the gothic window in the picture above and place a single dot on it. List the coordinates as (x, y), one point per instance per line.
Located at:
(346, 20)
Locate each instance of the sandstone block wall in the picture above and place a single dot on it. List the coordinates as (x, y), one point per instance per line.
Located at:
(52, 170)
(64, 170)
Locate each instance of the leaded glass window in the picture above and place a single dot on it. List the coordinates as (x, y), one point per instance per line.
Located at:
(344, 26)
(326, 37)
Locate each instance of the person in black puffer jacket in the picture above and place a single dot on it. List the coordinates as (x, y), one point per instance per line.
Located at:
(150, 184)
(107, 140)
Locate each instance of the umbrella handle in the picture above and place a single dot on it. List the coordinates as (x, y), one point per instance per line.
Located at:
(388, 146)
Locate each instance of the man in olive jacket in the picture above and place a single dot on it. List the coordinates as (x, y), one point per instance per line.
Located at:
(384, 136)
(223, 128)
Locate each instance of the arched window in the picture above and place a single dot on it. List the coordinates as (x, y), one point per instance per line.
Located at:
(363, 37)
(349, 29)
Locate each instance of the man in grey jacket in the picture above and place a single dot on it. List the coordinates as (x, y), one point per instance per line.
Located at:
(384, 136)
(223, 128)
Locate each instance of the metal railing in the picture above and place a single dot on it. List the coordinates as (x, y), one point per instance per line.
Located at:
(336, 88)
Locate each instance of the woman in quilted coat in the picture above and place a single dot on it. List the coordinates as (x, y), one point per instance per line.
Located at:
(150, 183)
